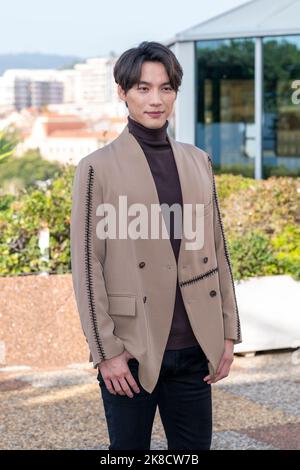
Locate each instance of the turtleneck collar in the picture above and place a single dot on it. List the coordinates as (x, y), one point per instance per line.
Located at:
(146, 133)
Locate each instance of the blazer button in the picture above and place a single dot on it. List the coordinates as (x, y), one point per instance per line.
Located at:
(144, 299)
(212, 293)
(142, 264)
(205, 259)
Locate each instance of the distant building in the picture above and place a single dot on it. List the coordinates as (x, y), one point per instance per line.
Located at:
(90, 85)
(240, 94)
(66, 138)
(23, 88)
(94, 83)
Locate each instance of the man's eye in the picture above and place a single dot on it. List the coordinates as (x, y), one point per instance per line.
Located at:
(143, 88)
(168, 88)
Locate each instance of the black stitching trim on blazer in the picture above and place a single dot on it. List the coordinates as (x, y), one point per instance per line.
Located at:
(225, 247)
(88, 258)
(198, 278)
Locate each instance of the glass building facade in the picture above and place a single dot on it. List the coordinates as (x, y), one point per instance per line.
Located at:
(225, 103)
(281, 125)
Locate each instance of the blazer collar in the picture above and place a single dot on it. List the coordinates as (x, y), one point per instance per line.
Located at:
(135, 155)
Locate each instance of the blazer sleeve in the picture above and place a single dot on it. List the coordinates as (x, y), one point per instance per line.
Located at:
(232, 328)
(87, 260)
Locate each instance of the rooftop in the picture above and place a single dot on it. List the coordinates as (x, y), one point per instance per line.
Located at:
(251, 19)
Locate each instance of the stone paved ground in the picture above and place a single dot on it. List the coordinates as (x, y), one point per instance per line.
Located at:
(256, 407)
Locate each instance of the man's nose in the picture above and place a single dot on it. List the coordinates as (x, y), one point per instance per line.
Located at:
(155, 98)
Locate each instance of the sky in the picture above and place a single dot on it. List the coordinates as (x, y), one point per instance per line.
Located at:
(88, 28)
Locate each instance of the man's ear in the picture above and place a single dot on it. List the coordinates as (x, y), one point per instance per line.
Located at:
(121, 93)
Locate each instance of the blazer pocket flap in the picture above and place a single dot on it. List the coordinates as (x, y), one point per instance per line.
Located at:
(121, 305)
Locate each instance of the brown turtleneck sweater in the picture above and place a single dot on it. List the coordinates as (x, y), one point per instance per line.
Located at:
(159, 154)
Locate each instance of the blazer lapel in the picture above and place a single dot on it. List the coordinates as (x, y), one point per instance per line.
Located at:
(187, 189)
(142, 180)
(145, 185)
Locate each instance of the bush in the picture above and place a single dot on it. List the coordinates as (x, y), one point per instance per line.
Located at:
(266, 205)
(232, 184)
(22, 220)
(261, 221)
(286, 247)
(20, 173)
(251, 255)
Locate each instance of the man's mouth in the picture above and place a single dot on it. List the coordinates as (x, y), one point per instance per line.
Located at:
(154, 113)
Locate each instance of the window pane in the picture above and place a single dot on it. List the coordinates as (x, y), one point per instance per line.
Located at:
(281, 132)
(225, 102)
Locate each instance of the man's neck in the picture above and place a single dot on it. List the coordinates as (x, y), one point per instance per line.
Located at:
(139, 130)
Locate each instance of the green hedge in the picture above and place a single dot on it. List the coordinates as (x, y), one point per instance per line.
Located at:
(22, 217)
(262, 224)
(261, 221)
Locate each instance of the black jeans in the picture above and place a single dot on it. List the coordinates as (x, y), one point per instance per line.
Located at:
(183, 398)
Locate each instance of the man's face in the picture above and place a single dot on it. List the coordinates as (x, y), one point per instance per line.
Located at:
(150, 102)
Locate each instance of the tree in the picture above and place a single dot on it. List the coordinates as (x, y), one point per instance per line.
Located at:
(8, 141)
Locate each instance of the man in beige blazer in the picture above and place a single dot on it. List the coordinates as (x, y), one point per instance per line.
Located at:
(127, 278)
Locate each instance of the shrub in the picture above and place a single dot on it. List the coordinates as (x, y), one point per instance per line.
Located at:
(286, 247)
(22, 220)
(262, 225)
(251, 255)
(261, 222)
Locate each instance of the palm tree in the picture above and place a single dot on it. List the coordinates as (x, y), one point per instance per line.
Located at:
(8, 141)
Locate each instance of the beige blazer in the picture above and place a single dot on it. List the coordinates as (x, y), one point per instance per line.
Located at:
(125, 288)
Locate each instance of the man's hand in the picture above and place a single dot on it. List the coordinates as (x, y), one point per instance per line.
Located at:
(225, 363)
(116, 373)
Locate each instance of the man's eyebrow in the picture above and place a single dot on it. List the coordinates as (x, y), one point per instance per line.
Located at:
(143, 82)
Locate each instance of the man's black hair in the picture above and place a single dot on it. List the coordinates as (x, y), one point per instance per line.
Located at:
(127, 69)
